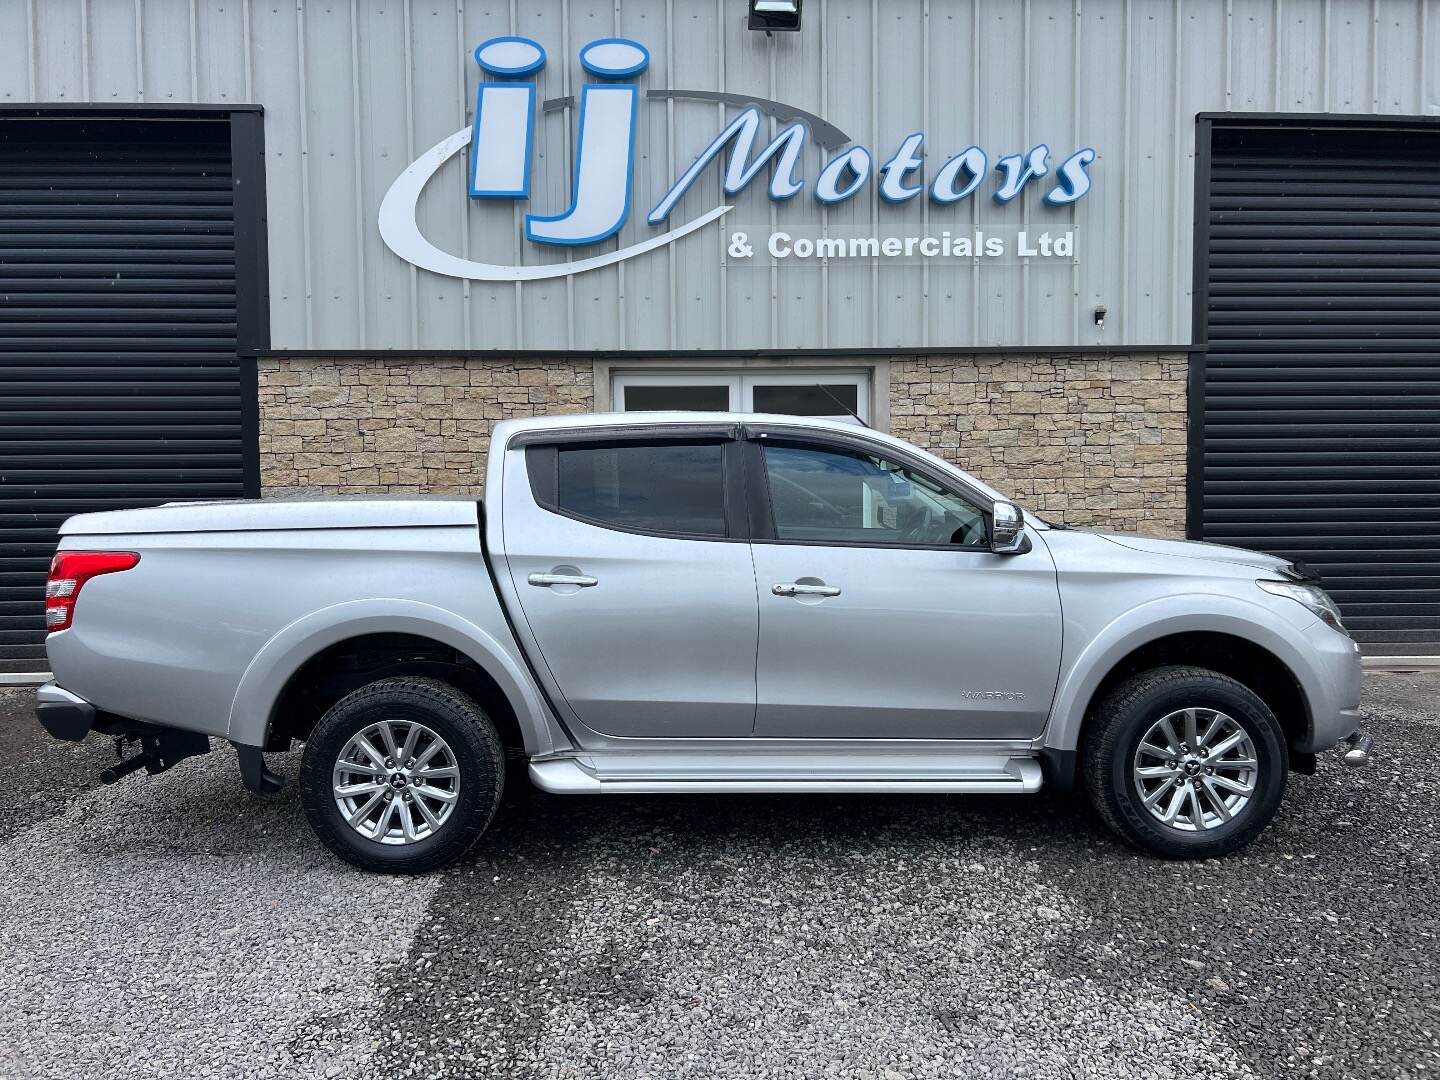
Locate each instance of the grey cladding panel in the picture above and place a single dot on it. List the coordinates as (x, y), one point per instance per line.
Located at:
(355, 92)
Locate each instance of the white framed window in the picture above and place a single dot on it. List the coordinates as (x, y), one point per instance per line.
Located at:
(834, 394)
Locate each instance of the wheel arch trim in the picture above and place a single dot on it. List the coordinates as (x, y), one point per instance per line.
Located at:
(265, 679)
(1144, 625)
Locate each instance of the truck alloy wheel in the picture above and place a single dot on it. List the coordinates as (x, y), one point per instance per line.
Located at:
(1184, 762)
(1195, 769)
(402, 775)
(396, 782)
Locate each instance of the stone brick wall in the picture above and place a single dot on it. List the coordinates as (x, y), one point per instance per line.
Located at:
(1089, 441)
(402, 425)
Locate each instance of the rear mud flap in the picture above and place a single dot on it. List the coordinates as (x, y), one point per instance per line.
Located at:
(253, 773)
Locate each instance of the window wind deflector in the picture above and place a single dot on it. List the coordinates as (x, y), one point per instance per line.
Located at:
(626, 433)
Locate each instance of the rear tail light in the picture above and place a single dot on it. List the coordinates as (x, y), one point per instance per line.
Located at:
(69, 571)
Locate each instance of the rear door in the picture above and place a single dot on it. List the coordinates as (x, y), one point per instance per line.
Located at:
(629, 554)
(883, 614)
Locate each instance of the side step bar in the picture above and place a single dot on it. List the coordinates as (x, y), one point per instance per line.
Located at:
(801, 771)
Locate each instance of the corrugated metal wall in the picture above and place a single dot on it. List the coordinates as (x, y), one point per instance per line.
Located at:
(119, 385)
(1321, 432)
(355, 91)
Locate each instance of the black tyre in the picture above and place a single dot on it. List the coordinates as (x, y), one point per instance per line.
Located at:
(1184, 762)
(402, 776)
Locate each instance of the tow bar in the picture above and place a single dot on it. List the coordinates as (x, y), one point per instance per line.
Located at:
(163, 748)
(160, 749)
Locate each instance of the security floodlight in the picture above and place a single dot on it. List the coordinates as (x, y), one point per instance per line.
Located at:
(771, 15)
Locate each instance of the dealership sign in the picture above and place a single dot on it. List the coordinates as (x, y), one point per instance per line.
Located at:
(499, 149)
(800, 247)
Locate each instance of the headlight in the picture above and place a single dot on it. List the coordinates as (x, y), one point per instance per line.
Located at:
(1312, 596)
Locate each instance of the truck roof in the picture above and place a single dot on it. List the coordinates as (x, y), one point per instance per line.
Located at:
(671, 417)
(507, 429)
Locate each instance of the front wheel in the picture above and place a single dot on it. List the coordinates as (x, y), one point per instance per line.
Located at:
(1184, 762)
(402, 776)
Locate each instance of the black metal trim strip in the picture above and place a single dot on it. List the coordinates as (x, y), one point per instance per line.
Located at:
(250, 426)
(836, 355)
(1294, 120)
(737, 513)
(757, 490)
(1200, 333)
(252, 278)
(149, 110)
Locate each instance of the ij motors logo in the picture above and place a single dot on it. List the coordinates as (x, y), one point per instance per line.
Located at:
(500, 150)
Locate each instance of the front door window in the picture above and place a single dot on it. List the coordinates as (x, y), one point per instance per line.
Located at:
(828, 495)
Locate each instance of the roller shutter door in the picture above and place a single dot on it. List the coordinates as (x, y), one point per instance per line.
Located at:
(1320, 249)
(119, 382)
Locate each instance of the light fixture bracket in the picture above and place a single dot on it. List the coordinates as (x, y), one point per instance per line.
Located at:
(772, 15)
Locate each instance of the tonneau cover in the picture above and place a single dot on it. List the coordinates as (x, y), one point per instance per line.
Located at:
(247, 515)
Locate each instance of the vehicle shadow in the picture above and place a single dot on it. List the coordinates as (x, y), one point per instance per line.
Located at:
(199, 807)
(532, 823)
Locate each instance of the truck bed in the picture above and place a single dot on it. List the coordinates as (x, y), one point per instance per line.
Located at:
(263, 515)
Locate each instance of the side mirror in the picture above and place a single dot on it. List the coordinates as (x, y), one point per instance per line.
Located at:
(1007, 529)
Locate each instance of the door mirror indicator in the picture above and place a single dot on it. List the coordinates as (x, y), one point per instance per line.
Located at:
(1007, 529)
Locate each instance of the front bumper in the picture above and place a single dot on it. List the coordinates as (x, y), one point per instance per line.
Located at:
(63, 714)
(1331, 681)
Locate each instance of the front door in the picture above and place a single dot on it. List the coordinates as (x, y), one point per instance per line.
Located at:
(882, 612)
(635, 581)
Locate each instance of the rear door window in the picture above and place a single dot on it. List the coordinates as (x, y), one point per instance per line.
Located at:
(668, 487)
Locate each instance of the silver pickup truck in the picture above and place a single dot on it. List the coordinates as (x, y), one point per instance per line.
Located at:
(696, 602)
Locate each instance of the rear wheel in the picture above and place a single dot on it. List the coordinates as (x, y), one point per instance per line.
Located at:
(1185, 762)
(402, 776)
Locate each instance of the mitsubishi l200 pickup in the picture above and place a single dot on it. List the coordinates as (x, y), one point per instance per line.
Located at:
(696, 602)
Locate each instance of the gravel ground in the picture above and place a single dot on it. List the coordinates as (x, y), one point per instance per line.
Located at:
(38, 774)
(176, 926)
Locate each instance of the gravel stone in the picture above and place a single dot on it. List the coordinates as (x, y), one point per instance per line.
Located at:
(38, 774)
(176, 926)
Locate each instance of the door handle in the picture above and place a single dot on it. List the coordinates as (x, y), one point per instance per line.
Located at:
(792, 588)
(546, 580)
